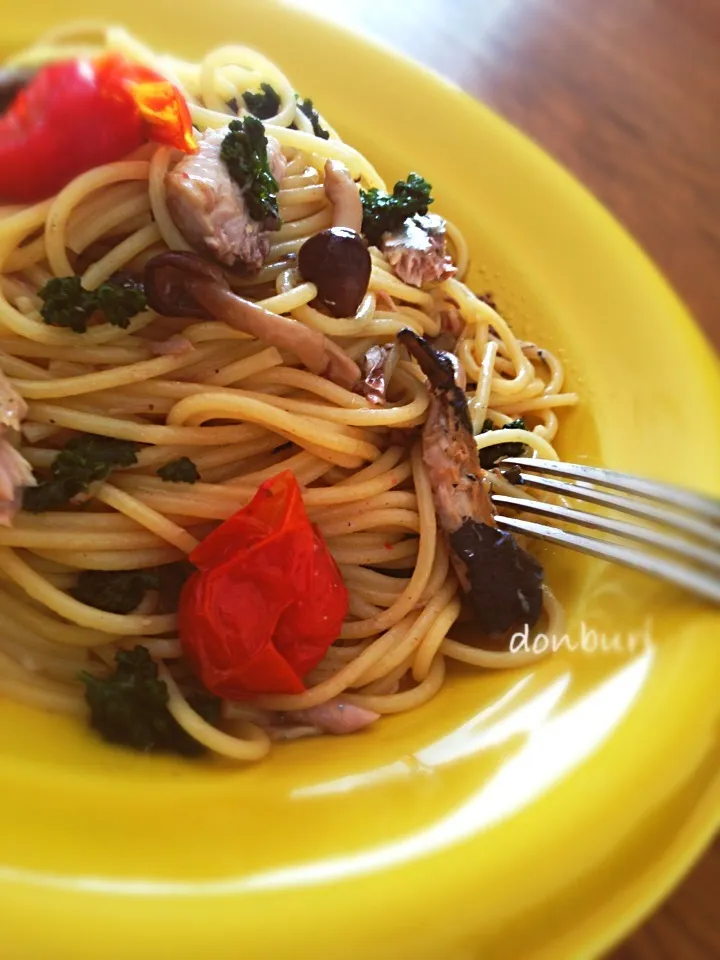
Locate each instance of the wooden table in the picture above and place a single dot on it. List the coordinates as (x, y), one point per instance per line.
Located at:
(626, 94)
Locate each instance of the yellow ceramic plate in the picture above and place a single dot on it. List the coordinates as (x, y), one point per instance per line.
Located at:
(527, 814)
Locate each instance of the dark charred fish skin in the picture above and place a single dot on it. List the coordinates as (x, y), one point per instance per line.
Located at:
(503, 581)
(438, 368)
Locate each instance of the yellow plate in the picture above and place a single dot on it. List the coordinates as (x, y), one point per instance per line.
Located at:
(526, 814)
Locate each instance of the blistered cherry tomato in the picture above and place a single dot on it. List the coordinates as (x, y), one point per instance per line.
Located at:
(78, 114)
(267, 600)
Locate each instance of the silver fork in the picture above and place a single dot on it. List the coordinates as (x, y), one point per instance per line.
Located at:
(690, 559)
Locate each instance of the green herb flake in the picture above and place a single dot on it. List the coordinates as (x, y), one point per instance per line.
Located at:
(489, 456)
(262, 105)
(182, 470)
(82, 461)
(120, 299)
(244, 151)
(383, 212)
(130, 707)
(306, 107)
(116, 591)
(66, 303)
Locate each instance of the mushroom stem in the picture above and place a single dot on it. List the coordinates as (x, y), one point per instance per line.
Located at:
(343, 194)
(186, 285)
(319, 354)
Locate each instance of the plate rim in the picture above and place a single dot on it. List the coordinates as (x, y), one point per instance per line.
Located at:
(674, 864)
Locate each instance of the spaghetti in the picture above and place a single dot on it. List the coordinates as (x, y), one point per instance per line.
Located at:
(242, 411)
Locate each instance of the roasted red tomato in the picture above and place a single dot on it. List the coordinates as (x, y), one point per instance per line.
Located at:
(78, 114)
(267, 600)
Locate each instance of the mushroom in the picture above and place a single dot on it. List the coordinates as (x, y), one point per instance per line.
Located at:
(343, 194)
(338, 263)
(336, 260)
(186, 285)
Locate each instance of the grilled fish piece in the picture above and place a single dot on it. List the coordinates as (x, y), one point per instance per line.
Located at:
(503, 581)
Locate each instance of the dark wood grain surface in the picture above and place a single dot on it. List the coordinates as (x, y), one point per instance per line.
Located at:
(626, 94)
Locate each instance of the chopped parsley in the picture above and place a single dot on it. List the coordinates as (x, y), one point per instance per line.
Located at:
(130, 707)
(182, 470)
(306, 107)
(244, 151)
(489, 456)
(262, 105)
(120, 299)
(122, 591)
(66, 303)
(383, 212)
(116, 591)
(82, 461)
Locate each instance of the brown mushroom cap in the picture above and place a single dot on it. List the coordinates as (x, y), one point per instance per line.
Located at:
(337, 261)
(167, 288)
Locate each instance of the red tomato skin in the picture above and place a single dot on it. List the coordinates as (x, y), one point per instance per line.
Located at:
(164, 113)
(75, 115)
(213, 651)
(307, 628)
(267, 601)
(58, 127)
(275, 508)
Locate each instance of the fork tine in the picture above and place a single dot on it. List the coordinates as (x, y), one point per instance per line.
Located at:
(638, 508)
(618, 528)
(666, 493)
(688, 577)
